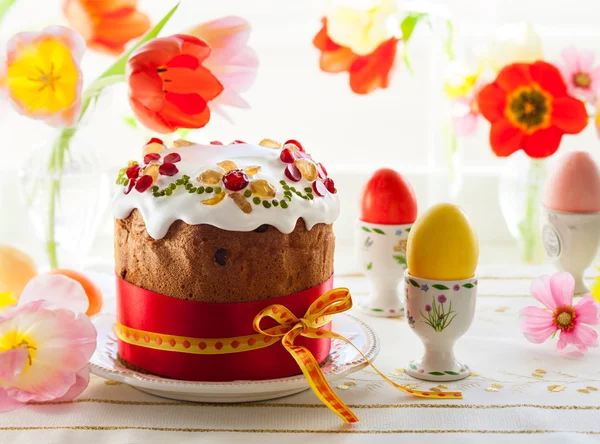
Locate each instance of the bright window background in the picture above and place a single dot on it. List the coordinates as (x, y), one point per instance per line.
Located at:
(400, 127)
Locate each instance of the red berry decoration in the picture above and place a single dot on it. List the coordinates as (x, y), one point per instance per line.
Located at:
(150, 157)
(143, 183)
(321, 171)
(168, 169)
(133, 171)
(216, 142)
(155, 140)
(172, 158)
(319, 188)
(287, 156)
(329, 185)
(235, 180)
(130, 186)
(237, 142)
(295, 142)
(293, 173)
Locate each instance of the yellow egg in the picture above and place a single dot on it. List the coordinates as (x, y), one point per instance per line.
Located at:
(442, 245)
(16, 270)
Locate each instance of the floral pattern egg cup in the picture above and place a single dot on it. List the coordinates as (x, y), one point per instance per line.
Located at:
(382, 250)
(439, 312)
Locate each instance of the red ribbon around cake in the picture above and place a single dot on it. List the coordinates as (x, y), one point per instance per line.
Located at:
(275, 325)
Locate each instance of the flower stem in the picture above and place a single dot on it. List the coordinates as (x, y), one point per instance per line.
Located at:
(528, 227)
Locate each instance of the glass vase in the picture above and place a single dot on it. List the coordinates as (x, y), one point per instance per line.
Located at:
(521, 188)
(66, 205)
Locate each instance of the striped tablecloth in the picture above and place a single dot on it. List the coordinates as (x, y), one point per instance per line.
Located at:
(518, 391)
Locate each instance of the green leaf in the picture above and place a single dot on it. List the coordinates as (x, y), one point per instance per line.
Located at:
(414, 283)
(468, 285)
(449, 40)
(400, 259)
(408, 230)
(118, 68)
(451, 373)
(130, 120)
(183, 132)
(440, 287)
(366, 229)
(5, 6)
(378, 231)
(436, 373)
(369, 265)
(377, 309)
(409, 23)
(413, 366)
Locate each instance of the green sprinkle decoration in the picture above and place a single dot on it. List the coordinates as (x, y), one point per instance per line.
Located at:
(218, 190)
(289, 198)
(154, 189)
(179, 182)
(293, 189)
(284, 204)
(275, 203)
(308, 189)
(266, 204)
(247, 193)
(287, 193)
(200, 190)
(172, 186)
(186, 177)
(283, 182)
(256, 200)
(155, 194)
(209, 189)
(192, 190)
(168, 191)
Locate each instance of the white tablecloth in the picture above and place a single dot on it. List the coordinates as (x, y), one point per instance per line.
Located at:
(518, 392)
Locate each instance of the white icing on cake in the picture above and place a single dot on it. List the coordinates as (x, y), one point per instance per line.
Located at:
(160, 212)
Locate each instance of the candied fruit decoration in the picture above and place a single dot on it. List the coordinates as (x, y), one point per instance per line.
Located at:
(216, 142)
(168, 169)
(172, 158)
(251, 171)
(238, 142)
(241, 202)
(330, 185)
(293, 173)
(130, 186)
(143, 183)
(307, 168)
(133, 171)
(151, 157)
(154, 145)
(221, 256)
(155, 140)
(235, 180)
(270, 143)
(210, 177)
(290, 146)
(152, 171)
(321, 171)
(286, 156)
(227, 165)
(215, 199)
(319, 188)
(263, 189)
(181, 143)
(295, 142)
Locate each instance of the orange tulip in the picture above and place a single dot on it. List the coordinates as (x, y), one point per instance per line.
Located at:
(168, 86)
(106, 25)
(367, 72)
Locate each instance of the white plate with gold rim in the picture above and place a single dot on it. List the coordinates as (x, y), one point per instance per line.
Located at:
(342, 361)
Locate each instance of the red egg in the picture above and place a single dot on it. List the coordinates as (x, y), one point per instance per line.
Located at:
(388, 199)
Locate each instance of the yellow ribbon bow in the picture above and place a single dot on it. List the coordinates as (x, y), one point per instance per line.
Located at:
(332, 302)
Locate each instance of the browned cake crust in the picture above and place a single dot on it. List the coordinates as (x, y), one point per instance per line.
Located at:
(208, 264)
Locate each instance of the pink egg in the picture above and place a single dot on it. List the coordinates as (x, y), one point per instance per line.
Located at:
(574, 185)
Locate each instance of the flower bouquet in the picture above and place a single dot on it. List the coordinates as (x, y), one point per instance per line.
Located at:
(530, 104)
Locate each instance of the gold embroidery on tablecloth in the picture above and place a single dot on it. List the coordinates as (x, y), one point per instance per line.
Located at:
(556, 388)
(343, 431)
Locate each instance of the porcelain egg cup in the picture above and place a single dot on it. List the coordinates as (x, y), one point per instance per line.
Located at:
(571, 242)
(439, 312)
(382, 250)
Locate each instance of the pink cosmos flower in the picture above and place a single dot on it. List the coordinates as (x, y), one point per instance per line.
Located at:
(44, 346)
(556, 293)
(465, 112)
(582, 78)
(231, 60)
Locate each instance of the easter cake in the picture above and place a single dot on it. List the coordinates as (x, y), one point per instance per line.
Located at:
(206, 236)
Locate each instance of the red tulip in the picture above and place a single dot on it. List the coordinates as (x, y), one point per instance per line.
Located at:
(169, 88)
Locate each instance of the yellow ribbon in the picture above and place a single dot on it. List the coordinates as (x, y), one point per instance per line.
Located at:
(332, 302)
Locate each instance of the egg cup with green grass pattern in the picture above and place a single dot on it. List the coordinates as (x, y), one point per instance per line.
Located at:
(439, 312)
(382, 251)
